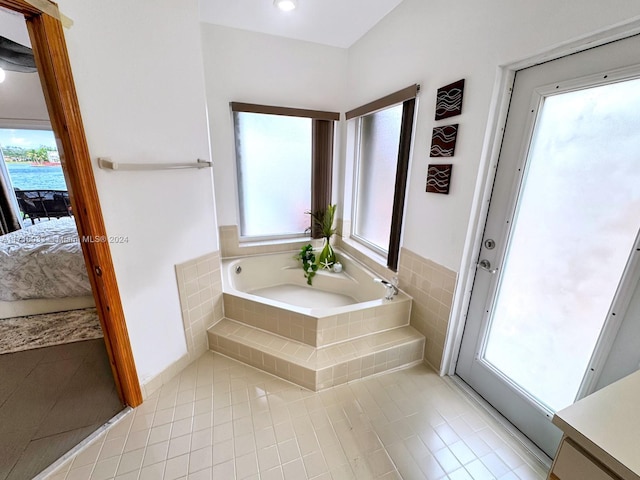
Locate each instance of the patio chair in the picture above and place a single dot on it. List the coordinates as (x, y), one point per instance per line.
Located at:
(36, 204)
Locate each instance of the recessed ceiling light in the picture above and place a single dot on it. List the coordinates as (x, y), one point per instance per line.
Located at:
(286, 5)
(2, 75)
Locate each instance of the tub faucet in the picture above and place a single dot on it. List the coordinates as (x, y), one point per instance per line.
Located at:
(392, 287)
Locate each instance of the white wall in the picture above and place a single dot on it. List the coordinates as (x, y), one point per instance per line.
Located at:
(22, 101)
(435, 43)
(139, 78)
(242, 66)
(21, 97)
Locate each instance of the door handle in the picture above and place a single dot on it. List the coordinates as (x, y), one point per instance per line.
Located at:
(485, 264)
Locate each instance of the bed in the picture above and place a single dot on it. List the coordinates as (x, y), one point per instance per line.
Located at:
(42, 270)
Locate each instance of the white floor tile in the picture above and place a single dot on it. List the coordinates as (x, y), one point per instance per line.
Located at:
(220, 419)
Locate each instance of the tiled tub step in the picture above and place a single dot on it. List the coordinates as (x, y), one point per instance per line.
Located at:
(317, 368)
(323, 330)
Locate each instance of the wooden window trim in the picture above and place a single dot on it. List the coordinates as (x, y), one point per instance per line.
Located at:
(50, 52)
(322, 138)
(321, 168)
(286, 111)
(397, 97)
(402, 174)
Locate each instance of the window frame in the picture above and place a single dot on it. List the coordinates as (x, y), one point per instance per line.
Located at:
(406, 97)
(322, 148)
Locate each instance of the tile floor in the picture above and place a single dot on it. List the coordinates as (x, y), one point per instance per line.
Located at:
(221, 419)
(51, 399)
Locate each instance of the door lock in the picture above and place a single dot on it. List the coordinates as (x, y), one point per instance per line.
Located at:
(490, 244)
(485, 264)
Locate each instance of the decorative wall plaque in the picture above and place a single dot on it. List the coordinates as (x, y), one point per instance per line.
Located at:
(449, 100)
(439, 178)
(443, 141)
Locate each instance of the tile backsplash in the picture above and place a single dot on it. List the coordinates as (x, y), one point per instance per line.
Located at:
(432, 287)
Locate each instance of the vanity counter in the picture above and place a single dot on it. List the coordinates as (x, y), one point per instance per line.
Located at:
(604, 428)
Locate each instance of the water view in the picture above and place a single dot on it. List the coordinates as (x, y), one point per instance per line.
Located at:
(29, 177)
(32, 160)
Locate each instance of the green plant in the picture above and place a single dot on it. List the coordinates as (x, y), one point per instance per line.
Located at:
(308, 262)
(323, 221)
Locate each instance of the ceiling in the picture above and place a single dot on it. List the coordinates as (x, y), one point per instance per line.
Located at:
(338, 23)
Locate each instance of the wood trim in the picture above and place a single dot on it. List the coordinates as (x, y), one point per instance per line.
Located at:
(54, 69)
(20, 6)
(289, 112)
(321, 168)
(402, 173)
(384, 102)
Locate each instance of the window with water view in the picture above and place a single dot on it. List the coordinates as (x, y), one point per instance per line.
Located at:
(30, 166)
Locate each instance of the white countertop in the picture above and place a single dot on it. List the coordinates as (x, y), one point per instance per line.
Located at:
(607, 425)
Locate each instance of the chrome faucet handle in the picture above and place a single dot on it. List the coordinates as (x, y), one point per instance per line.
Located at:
(391, 292)
(392, 288)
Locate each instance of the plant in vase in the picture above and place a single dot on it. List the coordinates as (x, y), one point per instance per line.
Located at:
(323, 222)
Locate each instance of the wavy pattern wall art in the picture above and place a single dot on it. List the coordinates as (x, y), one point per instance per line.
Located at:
(439, 178)
(443, 141)
(449, 100)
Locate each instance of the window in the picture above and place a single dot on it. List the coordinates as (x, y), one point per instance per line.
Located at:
(22, 154)
(384, 142)
(283, 160)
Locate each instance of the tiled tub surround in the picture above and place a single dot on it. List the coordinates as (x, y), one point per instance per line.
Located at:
(200, 291)
(430, 285)
(317, 325)
(313, 346)
(317, 368)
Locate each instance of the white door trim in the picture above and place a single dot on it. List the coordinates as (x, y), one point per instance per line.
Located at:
(498, 110)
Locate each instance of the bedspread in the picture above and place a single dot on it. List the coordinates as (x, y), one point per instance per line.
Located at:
(43, 261)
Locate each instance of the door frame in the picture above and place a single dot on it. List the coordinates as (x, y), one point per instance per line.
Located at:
(497, 119)
(54, 68)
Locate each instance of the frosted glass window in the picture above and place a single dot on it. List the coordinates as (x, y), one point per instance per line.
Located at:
(377, 164)
(574, 230)
(274, 173)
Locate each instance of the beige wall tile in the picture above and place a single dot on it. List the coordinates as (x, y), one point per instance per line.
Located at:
(200, 293)
(432, 287)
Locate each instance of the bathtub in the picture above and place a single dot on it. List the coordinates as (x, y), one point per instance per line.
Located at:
(270, 292)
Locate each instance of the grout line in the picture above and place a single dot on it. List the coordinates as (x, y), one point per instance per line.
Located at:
(477, 401)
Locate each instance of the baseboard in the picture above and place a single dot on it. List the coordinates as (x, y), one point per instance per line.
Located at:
(154, 383)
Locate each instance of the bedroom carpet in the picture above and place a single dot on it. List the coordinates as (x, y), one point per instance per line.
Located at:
(37, 331)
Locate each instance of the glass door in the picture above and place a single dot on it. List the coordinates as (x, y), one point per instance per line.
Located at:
(559, 241)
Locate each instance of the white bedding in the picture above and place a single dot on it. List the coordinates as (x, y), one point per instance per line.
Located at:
(43, 261)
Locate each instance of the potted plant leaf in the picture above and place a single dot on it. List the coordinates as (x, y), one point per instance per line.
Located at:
(322, 223)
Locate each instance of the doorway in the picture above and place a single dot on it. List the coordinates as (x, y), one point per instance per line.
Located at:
(49, 49)
(57, 384)
(54, 70)
(558, 266)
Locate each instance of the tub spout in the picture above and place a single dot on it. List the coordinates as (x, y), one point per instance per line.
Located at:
(392, 287)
